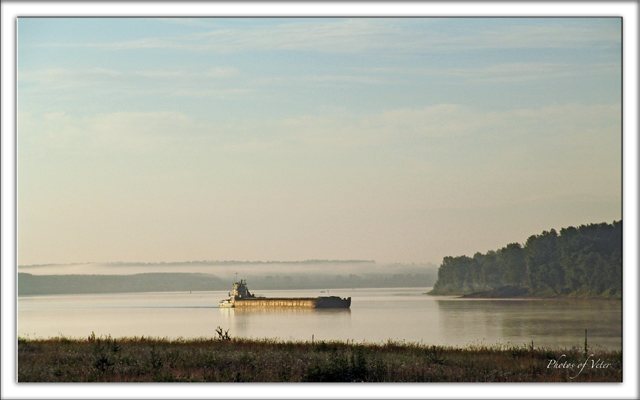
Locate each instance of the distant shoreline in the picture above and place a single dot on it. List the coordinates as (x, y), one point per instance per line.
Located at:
(203, 262)
(29, 284)
(522, 293)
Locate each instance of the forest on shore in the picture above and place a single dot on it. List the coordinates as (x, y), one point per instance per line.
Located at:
(582, 262)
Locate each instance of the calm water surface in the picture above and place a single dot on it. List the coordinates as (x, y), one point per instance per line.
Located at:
(376, 315)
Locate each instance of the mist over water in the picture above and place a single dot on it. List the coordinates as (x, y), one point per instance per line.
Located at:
(376, 315)
(229, 269)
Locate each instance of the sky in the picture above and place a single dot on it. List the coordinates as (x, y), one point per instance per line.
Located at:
(387, 139)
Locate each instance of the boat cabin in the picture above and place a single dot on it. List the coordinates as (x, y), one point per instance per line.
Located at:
(240, 290)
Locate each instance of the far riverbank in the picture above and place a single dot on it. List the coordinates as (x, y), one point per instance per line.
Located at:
(515, 292)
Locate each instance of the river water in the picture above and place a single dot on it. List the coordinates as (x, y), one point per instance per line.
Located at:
(376, 315)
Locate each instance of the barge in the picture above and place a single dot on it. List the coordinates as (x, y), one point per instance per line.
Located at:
(240, 297)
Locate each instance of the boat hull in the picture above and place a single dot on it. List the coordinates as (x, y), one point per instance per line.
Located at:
(297, 302)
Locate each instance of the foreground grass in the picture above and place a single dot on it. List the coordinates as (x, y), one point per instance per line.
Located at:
(225, 359)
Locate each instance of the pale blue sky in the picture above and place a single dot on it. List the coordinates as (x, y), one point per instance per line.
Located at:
(403, 139)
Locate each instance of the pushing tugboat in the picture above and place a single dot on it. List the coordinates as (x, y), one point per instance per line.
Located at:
(242, 298)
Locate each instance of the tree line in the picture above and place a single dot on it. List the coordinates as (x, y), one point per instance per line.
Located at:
(578, 262)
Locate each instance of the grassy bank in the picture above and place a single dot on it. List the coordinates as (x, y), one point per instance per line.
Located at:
(225, 359)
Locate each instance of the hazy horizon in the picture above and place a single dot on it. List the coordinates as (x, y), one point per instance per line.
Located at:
(230, 269)
(389, 139)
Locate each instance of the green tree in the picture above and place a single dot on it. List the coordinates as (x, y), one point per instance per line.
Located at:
(543, 264)
(512, 261)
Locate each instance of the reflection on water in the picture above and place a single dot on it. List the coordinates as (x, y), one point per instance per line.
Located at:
(555, 323)
(283, 322)
(376, 315)
(282, 311)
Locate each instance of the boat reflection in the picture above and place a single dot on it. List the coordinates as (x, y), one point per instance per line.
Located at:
(301, 322)
(283, 311)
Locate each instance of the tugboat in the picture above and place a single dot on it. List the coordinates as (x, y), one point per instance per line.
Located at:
(240, 297)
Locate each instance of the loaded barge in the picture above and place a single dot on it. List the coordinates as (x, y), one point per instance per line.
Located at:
(240, 297)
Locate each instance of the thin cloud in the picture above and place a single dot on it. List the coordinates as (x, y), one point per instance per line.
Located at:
(572, 126)
(506, 72)
(213, 82)
(365, 35)
(517, 72)
(100, 74)
(359, 79)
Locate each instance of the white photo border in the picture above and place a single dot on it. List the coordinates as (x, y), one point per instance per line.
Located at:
(628, 10)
